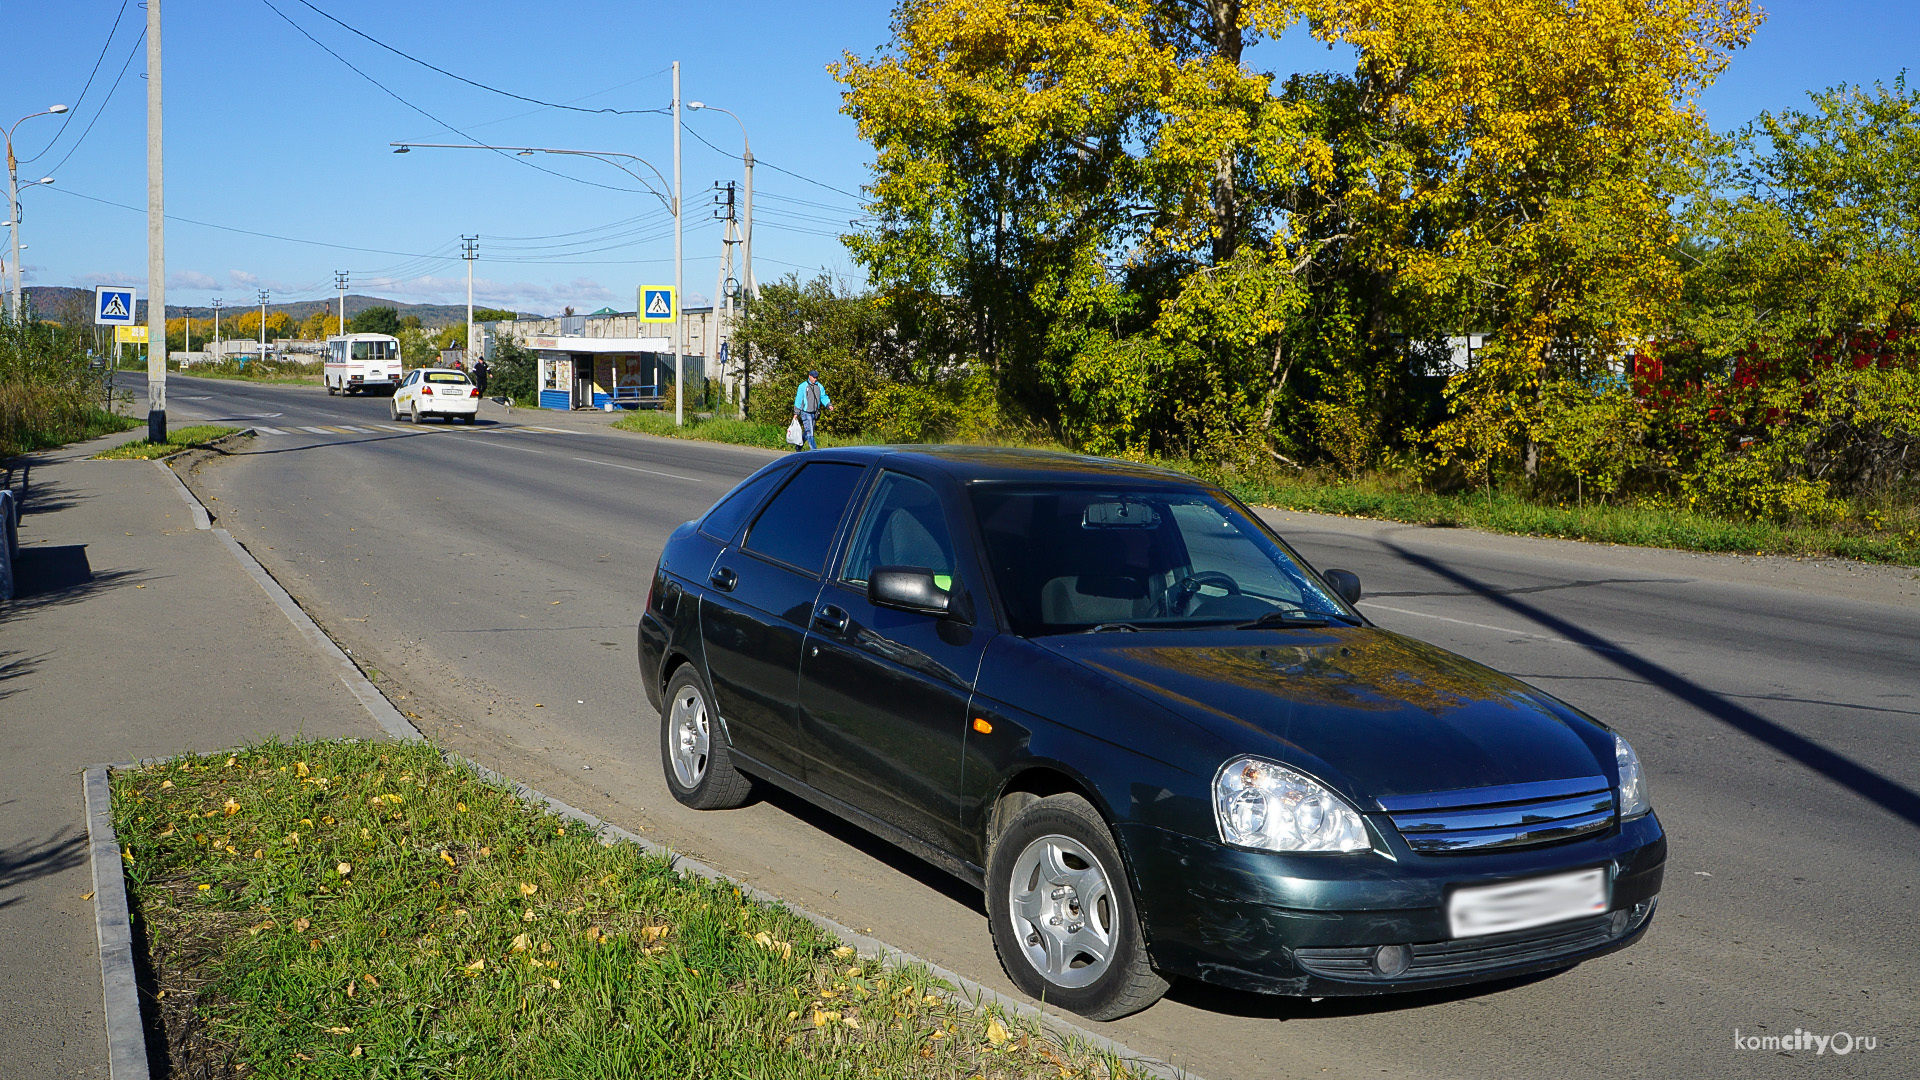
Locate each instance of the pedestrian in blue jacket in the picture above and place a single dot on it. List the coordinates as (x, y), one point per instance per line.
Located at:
(809, 401)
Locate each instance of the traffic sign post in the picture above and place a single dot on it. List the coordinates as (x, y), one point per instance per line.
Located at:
(113, 305)
(658, 303)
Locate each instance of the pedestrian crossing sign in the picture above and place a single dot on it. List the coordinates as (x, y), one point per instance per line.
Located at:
(657, 303)
(112, 305)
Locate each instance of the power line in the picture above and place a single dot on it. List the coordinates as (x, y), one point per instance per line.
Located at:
(232, 229)
(395, 96)
(77, 102)
(758, 160)
(470, 82)
(104, 102)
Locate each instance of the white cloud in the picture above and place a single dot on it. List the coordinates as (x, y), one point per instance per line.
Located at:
(88, 281)
(580, 293)
(241, 279)
(191, 279)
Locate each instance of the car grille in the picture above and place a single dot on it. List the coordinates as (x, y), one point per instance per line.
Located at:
(1470, 955)
(1473, 820)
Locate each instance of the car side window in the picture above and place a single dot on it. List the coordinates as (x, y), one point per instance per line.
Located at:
(724, 520)
(797, 527)
(904, 525)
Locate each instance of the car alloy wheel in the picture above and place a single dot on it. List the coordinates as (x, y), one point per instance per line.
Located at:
(693, 748)
(416, 412)
(1062, 912)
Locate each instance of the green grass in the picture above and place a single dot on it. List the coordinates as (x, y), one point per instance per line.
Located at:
(723, 430)
(1638, 526)
(178, 439)
(357, 909)
(23, 434)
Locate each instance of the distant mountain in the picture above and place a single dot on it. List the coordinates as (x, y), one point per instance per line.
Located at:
(64, 302)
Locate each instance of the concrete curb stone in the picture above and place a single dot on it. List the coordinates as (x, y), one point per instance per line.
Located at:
(113, 923)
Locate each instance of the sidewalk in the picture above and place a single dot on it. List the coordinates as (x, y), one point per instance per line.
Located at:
(134, 635)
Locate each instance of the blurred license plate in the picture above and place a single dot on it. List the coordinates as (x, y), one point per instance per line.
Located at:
(1517, 905)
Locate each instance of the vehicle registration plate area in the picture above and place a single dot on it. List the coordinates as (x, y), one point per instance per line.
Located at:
(1519, 905)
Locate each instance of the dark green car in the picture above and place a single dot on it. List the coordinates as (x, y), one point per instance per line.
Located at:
(1161, 742)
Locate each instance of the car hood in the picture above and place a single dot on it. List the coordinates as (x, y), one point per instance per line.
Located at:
(1370, 712)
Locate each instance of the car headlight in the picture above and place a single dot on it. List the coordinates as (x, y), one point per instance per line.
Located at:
(1260, 804)
(1633, 780)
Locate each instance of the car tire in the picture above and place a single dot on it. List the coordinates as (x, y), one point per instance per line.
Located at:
(416, 413)
(693, 748)
(1056, 860)
(331, 391)
(393, 411)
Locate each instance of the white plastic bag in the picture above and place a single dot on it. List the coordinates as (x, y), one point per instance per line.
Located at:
(795, 436)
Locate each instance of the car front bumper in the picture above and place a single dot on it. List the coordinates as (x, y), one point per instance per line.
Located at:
(1313, 924)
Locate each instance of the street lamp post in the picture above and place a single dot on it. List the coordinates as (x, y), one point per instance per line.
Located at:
(751, 286)
(13, 197)
(671, 202)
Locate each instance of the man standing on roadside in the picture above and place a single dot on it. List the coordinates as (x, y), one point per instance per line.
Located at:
(809, 401)
(480, 375)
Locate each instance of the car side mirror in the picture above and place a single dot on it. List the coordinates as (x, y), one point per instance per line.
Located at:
(907, 588)
(1344, 582)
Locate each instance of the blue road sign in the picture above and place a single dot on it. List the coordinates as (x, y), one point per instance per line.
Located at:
(113, 305)
(657, 303)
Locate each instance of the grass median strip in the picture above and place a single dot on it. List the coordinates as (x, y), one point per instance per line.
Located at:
(178, 439)
(366, 909)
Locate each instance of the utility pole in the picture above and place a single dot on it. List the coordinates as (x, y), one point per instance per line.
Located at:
(679, 292)
(723, 199)
(340, 283)
(470, 246)
(751, 284)
(216, 329)
(156, 241)
(263, 326)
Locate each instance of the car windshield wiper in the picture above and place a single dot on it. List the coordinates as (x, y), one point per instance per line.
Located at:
(1304, 619)
(1107, 627)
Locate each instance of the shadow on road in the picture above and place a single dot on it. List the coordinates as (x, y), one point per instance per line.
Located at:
(31, 860)
(1227, 1002)
(872, 846)
(48, 577)
(1890, 795)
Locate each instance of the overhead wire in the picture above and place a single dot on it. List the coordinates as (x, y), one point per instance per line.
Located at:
(395, 96)
(481, 85)
(77, 102)
(104, 102)
(758, 160)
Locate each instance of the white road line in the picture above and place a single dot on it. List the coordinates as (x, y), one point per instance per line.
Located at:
(361, 430)
(1496, 629)
(548, 430)
(649, 472)
(395, 427)
(268, 430)
(317, 430)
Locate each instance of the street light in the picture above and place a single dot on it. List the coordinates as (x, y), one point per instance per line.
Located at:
(746, 239)
(671, 202)
(13, 197)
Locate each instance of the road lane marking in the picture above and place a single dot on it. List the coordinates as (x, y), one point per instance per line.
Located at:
(317, 430)
(649, 472)
(394, 427)
(1496, 629)
(334, 430)
(264, 430)
(361, 430)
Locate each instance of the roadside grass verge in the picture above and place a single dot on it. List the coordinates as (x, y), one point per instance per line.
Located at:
(354, 909)
(1638, 526)
(723, 430)
(1503, 513)
(178, 439)
(27, 424)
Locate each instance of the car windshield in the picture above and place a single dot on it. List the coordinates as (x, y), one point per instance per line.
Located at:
(445, 376)
(1068, 559)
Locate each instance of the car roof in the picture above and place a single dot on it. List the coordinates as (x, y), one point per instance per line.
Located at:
(448, 370)
(1001, 464)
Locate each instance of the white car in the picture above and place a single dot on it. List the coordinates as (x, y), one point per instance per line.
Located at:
(442, 392)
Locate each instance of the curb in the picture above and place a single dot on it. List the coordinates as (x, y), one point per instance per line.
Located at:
(113, 923)
(201, 520)
(399, 727)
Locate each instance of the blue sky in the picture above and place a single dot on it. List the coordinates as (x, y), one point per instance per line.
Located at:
(267, 132)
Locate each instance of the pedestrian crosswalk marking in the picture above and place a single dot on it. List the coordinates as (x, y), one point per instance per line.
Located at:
(361, 430)
(268, 430)
(318, 430)
(395, 427)
(334, 430)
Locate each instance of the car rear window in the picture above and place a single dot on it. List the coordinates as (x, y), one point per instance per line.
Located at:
(446, 376)
(797, 527)
(724, 520)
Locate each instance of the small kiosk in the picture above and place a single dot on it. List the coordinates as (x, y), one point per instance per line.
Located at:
(608, 373)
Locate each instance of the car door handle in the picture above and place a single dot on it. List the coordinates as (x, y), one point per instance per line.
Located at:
(832, 618)
(724, 578)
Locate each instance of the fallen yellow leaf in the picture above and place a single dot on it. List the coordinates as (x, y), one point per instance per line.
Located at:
(844, 952)
(302, 924)
(654, 933)
(165, 784)
(345, 869)
(555, 983)
(460, 806)
(819, 1018)
(520, 944)
(446, 858)
(355, 1053)
(86, 896)
(478, 965)
(339, 1031)
(528, 888)
(204, 888)
(231, 807)
(300, 767)
(996, 1032)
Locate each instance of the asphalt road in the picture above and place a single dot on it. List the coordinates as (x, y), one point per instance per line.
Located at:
(492, 577)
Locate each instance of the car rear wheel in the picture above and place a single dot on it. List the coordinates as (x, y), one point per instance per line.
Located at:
(416, 412)
(693, 748)
(1062, 912)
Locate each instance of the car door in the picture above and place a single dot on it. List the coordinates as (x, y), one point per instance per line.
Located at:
(754, 620)
(883, 692)
(404, 396)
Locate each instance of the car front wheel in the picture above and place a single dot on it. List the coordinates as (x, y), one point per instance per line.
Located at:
(693, 748)
(1062, 912)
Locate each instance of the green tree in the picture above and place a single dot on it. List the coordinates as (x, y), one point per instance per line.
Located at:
(375, 320)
